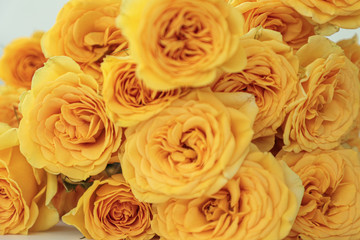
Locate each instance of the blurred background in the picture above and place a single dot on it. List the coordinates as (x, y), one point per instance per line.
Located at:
(20, 18)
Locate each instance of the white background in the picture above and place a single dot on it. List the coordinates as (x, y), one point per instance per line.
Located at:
(20, 18)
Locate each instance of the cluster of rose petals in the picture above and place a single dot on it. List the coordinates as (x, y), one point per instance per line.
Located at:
(190, 149)
(70, 131)
(182, 42)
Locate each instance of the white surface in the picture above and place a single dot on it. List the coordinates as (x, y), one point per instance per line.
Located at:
(59, 232)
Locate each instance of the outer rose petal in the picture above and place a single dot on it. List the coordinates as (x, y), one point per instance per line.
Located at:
(182, 43)
(22, 57)
(71, 133)
(257, 203)
(22, 190)
(190, 149)
(108, 210)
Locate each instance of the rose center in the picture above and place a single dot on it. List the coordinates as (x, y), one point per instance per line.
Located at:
(184, 37)
(123, 212)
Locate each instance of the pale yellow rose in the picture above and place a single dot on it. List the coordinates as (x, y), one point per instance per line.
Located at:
(22, 190)
(330, 208)
(179, 43)
(109, 211)
(275, 15)
(342, 13)
(329, 101)
(21, 58)
(9, 102)
(85, 30)
(260, 202)
(270, 75)
(128, 101)
(64, 127)
(191, 148)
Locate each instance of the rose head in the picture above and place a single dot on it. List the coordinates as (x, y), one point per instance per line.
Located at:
(85, 31)
(109, 210)
(22, 190)
(191, 148)
(64, 127)
(179, 43)
(22, 57)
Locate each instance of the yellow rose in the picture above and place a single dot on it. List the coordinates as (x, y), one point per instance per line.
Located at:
(330, 208)
(21, 58)
(9, 102)
(328, 103)
(275, 15)
(85, 31)
(128, 101)
(260, 202)
(351, 49)
(22, 190)
(342, 13)
(270, 75)
(64, 127)
(191, 148)
(109, 211)
(179, 43)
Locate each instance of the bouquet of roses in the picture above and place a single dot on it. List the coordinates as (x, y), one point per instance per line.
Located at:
(184, 119)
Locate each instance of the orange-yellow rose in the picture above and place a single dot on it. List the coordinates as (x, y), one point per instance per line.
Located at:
(9, 102)
(191, 148)
(64, 127)
(179, 43)
(342, 13)
(128, 101)
(21, 58)
(330, 208)
(275, 15)
(270, 75)
(109, 211)
(351, 49)
(22, 190)
(260, 202)
(329, 101)
(85, 31)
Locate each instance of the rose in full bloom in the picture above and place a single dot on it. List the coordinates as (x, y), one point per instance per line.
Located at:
(275, 15)
(85, 31)
(179, 43)
(260, 202)
(21, 58)
(9, 102)
(330, 208)
(109, 211)
(329, 101)
(342, 13)
(22, 190)
(270, 75)
(351, 49)
(64, 127)
(128, 101)
(191, 148)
